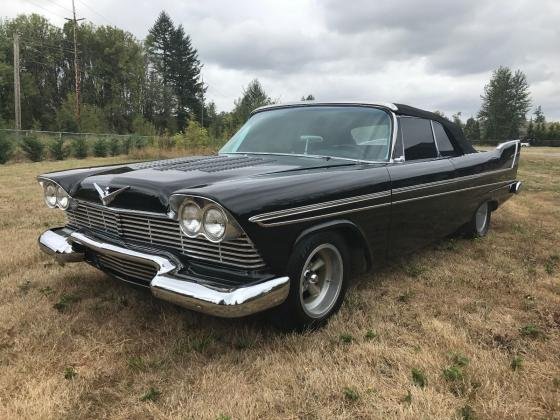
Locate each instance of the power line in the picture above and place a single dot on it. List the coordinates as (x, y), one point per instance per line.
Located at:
(31, 44)
(97, 13)
(62, 7)
(44, 8)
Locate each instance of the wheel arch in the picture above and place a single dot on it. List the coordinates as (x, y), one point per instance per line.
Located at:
(352, 234)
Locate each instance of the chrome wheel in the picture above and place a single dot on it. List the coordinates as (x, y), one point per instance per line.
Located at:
(481, 218)
(321, 280)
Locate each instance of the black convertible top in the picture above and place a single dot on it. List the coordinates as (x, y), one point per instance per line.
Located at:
(455, 133)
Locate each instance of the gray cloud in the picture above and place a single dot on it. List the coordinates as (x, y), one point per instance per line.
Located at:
(436, 54)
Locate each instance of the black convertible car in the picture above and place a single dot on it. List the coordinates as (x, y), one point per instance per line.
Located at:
(301, 197)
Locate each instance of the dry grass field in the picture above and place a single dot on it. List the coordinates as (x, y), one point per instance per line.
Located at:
(464, 329)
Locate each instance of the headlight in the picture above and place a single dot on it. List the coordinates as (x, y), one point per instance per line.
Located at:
(50, 195)
(62, 198)
(215, 223)
(190, 218)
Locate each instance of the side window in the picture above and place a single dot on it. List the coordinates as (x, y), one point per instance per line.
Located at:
(443, 143)
(418, 139)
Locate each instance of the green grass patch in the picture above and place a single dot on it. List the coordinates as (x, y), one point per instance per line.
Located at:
(419, 378)
(65, 302)
(151, 394)
(351, 394)
(70, 373)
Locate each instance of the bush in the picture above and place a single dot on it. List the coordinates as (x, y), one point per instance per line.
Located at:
(139, 142)
(6, 148)
(100, 147)
(33, 148)
(79, 147)
(126, 144)
(165, 142)
(114, 146)
(57, 150)
(196, 135)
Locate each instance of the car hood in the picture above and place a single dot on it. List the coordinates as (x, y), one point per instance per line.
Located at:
(150, 184)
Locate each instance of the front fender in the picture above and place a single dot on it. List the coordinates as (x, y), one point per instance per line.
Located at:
(353, 234)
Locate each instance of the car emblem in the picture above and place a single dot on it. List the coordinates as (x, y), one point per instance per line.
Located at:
(106, 196)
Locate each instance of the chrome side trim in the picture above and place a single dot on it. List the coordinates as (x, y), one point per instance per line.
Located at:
(321, 216)
(448, 181)
(312, 207)
(186, 291)
(262, 219)
(503, 183)
(263, 222)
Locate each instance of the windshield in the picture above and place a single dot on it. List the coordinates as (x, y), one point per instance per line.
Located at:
(351, 132)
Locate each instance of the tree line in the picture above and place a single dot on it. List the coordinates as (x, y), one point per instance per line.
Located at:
(145, 87)
(154, 87)
(503, 113)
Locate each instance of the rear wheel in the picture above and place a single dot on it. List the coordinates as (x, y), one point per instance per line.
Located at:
(480, 222)
(318, 270)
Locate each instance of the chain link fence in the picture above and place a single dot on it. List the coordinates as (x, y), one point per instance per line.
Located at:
(36, 145)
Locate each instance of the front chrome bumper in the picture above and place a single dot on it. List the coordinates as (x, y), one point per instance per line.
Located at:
(182, 290)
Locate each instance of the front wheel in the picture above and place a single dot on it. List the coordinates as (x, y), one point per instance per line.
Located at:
(318, 270)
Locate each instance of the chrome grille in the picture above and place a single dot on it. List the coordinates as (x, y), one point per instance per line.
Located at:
(127, 268)
(158, 230)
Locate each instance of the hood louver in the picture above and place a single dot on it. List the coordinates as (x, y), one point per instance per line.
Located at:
(204, 164)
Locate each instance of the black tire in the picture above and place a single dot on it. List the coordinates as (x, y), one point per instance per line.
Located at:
(478, 226)
(291, 314)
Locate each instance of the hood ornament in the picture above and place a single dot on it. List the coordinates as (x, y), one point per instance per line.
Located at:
(106, 196)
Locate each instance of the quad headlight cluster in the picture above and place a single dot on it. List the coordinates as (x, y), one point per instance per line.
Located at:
(54, 195)
(202, 217)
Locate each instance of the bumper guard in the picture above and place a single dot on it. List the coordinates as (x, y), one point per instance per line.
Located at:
(185, 291)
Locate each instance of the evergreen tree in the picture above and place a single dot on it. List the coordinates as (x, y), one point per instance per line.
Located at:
(472, 130)
(457, 119)
(504, 104)
(253, 97)
(539, 115)
(530, 130)
(185, 76)
(175, 62)
(540, 132)
(309, 97)
(158, 45)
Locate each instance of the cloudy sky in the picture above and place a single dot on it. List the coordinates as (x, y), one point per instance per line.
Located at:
(431, 54)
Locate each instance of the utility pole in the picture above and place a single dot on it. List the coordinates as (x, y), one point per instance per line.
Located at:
(17, 97)
(76, 66)
(202, 107)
